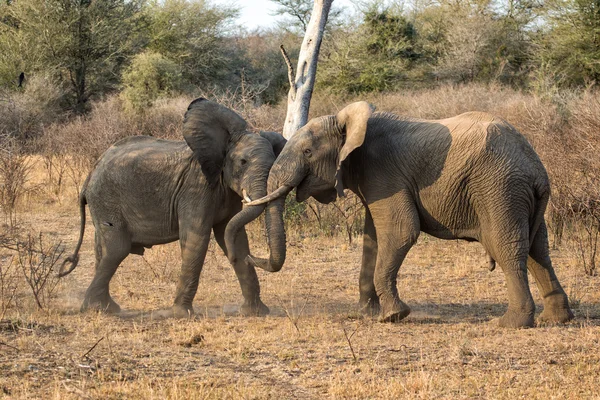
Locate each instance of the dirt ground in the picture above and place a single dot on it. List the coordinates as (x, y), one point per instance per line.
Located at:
(313, 345)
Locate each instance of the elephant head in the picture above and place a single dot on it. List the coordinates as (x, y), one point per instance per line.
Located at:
(312, 158)
(311, 162)
(240, 161)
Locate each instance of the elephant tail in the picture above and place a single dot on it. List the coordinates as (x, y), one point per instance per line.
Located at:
(541, 195)
(74, 259)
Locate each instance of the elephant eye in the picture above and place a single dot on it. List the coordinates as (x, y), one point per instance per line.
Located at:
(243, 161)
(307, 152)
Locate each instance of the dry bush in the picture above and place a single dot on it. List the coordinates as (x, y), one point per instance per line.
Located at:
(15, 167)
(38, 261)
(165, 119)
(8, 283)
(85, 138)
(574, 167)
(25, 113)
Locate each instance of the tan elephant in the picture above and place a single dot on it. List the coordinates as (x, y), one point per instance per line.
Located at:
(472, 177)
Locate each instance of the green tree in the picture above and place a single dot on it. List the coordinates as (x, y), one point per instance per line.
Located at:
(84, 43)
(149, 77)
(377, 55)
(569, 42)
(477, 40)
(193, 34)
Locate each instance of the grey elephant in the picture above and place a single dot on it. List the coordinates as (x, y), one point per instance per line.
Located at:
(472, 177)
(145, 191)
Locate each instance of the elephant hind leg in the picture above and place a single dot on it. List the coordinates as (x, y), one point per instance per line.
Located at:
(510, 250)
(556, 303)
(111, 247)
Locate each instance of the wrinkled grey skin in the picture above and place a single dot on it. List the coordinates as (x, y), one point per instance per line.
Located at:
(145, 191)
(471, 177)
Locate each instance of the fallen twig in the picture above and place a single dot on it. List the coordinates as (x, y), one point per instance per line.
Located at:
(350, 337)
(92, 348)
(9, 345)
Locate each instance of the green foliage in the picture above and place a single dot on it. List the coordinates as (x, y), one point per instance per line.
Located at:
(458, 41)
(84, 47)
(294, 212)
(376, 56)
(149, 77)
(192, 34)
(83, 43)
(569, 44)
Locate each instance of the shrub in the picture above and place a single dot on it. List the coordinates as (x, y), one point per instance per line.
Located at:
(25, 113)
(150, 77)
(14, 174)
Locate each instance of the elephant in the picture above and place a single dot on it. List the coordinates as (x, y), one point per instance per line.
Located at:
(145, 191)
(471, 177)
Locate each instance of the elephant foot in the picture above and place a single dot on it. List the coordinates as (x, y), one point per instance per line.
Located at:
(394, 313)
(182, 311)
(254, 309)
(176, 311)
(369, 307)
(104, 304)
(556, 310)
(514, 319)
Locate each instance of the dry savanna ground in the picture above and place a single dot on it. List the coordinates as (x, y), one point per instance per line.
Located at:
(314, 344)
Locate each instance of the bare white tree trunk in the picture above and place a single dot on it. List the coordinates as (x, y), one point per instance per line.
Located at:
(301, 86)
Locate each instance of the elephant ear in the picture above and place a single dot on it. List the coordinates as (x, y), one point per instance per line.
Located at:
(352, 119)
(277, 141)
(208, 128)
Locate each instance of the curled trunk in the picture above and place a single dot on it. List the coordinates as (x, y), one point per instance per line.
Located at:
(275, 234)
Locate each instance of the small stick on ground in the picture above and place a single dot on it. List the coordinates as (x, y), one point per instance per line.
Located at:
(292, 319)
(348, 339)
(92, 348)
(8, 345)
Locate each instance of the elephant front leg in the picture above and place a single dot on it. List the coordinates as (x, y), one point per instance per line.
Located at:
(194, 245)
(397, 223)
(246, 274)
(368, 301)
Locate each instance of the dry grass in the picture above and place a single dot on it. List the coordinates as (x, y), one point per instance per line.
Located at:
(314, 344)
(445, 349)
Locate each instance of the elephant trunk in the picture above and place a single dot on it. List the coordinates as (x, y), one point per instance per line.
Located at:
(247, 215)
(275, 227)
(275, 236)
(275, 232)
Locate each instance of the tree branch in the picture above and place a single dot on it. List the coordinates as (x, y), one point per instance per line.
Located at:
(290, 71)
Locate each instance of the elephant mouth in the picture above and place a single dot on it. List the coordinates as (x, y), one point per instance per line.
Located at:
(326, 197)
(317, 188)
(302, 192)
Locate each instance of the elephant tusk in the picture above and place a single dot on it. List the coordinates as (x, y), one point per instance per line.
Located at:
(247, 198)
(281, 191)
